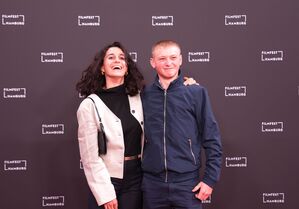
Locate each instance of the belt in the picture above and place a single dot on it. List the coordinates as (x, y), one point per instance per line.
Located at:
(134, 157)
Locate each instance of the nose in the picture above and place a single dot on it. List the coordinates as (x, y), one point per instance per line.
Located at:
(117, 59)
(168, 61)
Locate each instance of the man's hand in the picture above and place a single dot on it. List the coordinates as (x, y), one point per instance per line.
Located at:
(204, 191)
(189, 81)
(111, 205)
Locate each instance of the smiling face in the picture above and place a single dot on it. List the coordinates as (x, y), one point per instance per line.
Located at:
(166, 59)
(114, 66)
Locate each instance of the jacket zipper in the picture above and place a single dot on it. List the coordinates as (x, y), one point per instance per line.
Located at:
(164, 137)
(190, 144)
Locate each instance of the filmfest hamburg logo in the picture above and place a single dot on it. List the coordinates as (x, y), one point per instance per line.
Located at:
(53, 201)
(52, 128)
(236, 162)
(209, 200)
(89, 20)
(15, 165)
(13, 19)
(235, 91)
(199, 56)
(273, 197)
(272, 126)
(133, 56)
(51, 56)
(272, 56)
(14, 93)
(235, 19)
(162, 20)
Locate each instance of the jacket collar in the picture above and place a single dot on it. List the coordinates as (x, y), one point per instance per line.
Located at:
(177, 82)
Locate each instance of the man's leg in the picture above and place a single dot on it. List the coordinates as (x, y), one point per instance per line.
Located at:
(182, 197)
(155, 194)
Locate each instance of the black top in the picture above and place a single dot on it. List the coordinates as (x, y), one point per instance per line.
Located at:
(117, 101)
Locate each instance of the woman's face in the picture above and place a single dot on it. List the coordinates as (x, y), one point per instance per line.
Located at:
(114, 65)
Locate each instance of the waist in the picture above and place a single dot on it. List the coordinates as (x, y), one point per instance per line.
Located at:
(134, 157)
(171, 177)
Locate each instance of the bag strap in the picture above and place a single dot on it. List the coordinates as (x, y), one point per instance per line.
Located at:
(101, 124)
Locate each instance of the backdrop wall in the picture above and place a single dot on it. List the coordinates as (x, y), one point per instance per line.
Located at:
(244, 52)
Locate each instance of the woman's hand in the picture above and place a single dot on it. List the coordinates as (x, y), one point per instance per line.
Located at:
(111, 205)
(189, 81)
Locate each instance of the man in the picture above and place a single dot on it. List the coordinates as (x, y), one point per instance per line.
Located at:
(178, 122)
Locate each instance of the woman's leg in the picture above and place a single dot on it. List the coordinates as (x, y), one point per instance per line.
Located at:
(130, 196)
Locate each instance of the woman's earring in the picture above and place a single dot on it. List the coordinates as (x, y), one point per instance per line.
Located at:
(102, 72)
(126, 73)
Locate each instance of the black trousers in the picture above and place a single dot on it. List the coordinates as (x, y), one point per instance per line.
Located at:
(128, 189)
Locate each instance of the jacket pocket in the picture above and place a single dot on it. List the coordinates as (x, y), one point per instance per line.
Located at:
(191, 151)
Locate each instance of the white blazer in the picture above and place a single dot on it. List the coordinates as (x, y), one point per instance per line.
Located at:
(98, 170)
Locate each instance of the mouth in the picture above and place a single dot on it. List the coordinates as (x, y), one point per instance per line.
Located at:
(117, 67)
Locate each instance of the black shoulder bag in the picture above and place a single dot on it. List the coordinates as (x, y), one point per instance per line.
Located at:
(102, 141)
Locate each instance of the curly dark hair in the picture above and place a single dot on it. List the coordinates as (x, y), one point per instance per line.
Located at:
(92, 79)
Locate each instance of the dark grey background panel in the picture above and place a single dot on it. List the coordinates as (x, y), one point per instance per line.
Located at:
(244, 52)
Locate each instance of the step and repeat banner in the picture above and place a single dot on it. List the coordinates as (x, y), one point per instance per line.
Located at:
(244, 52)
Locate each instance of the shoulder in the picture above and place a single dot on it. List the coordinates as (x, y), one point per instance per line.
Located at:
(85, 105)
(196, 93)
(194, 88)
(147, 89)
(135, 98)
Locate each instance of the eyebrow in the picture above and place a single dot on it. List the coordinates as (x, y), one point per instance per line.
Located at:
(172, 55)
(115, 54)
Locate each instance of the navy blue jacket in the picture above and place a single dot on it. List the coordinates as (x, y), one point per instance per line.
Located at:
(178, 122)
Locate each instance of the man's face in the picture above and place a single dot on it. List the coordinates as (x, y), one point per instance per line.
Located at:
(167, 61)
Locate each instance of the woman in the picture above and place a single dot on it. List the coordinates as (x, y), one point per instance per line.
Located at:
(114, 82)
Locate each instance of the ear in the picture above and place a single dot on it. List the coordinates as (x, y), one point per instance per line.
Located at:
(152, 63)
(181, 59)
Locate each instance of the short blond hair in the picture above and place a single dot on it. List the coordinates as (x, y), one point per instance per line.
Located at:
(165, 43)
